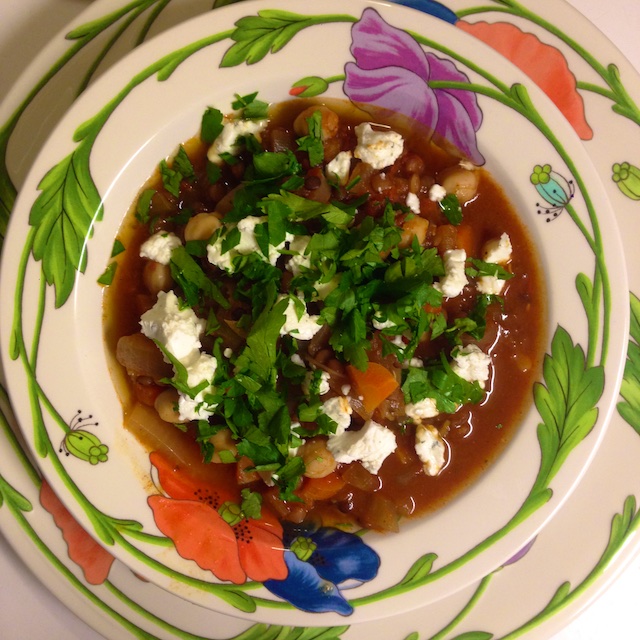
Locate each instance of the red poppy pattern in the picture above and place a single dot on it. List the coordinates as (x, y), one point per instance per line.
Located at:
(188, 515)
(544, 64)
(93, 559)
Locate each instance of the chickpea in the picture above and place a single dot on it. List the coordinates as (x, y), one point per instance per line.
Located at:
(156, 277)
(415, 227)
(460, 181)
(166, 404)
(318, 460)
(330, 121)
(223, 441)
(201, 226)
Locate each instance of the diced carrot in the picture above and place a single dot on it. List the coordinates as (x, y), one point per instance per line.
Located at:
(244, 476)
(466, 239)
(147, 393)
(321, 488)
(431, 309)
(375, 384)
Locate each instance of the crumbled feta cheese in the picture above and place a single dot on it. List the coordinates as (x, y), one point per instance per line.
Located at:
(496, 251)
(248, 244)
(159, 247)
(323, 289)
(430, 448)
(346, 389)
(339, 410)
(227, 353)
(437, 193)
(340, 167)
(398, 341)
(294, 450)
(231, 131)
(304, 327)
(413, 202)
(296, 262)
(422, 409)
(455, 278)
(418, 363)
(380, 149)
(319, 381)
(380, 325)
(201, 370)
(296, 359)
(371, 446)
(177, 330)
(472, 364)
(467, 164)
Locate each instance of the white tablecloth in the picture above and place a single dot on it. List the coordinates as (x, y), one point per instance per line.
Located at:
(28, 611)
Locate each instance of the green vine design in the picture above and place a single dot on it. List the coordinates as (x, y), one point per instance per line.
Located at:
(629, 409)
(69, 205)
(120, 20)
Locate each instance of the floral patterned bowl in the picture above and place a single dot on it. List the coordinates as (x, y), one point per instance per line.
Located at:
(61, 239)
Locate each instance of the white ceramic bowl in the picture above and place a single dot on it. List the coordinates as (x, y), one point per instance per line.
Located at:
(103, 151)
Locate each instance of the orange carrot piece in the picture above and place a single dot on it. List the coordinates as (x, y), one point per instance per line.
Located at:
(321, 488)
(466, 239)
(375, 384)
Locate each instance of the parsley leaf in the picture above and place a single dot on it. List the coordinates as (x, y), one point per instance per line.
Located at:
(450, 206)
(312, 143)
(211, 125)
(189, 275)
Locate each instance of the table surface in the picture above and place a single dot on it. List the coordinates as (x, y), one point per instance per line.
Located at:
(27, 609)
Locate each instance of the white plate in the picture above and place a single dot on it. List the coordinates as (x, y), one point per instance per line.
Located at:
(535, 547)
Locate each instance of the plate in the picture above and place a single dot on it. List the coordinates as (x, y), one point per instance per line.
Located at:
(536, 544)
(71, 207)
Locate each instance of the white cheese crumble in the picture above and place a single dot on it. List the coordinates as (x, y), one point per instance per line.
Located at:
(340, 167)
(380, 324)
(455, 278)
(296, 359)
(177, 330)
(422, 409)
(496, 251)
(417, 363)
(472, 364)
(231, 131)
(339, 410)
(413, 202)
(437, 193)
(201, 370)
(159, 247)
(371, 446)
(380, 149)
(467, 164)
(299, 260)
(430, 448)
(304, 327)
(322, 382)
(248, 244)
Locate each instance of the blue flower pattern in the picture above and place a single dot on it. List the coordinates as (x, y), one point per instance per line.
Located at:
(321, 564)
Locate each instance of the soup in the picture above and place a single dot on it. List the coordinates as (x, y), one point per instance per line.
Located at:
(325, 311)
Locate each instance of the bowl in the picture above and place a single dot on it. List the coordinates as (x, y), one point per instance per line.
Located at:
(60, 246)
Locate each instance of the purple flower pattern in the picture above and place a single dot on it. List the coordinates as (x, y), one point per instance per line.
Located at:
(393, 72)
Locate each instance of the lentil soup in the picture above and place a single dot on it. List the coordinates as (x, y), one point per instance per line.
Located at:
(319, 309)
